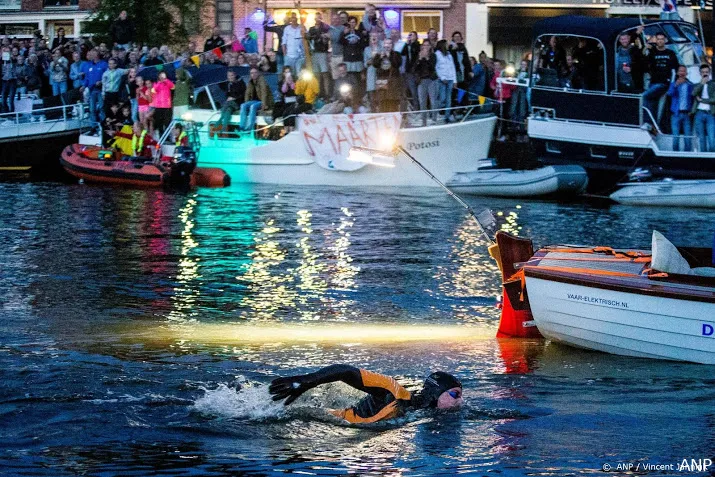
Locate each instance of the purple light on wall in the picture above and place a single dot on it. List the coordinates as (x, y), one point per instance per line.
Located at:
(392, 18)
(258, 16)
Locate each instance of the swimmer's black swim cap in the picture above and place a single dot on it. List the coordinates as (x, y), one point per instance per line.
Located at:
(435, 385)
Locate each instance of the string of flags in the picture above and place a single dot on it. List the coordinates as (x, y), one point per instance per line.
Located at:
(196, 59)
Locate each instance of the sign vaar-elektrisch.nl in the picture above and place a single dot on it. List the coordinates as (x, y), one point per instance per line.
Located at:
(597, 300)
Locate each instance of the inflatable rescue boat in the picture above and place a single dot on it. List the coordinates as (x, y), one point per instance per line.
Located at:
(96, 164)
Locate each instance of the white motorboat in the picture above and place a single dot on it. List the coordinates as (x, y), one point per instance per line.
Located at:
(626, 302)
(316, 153)
(674, 193)
(541, 182)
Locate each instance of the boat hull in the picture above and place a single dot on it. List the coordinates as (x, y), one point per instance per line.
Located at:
(678, 193)
(609, 153)
(623, 323)
(443, 149)
(36, 155)
(127, 173)
(543, 182)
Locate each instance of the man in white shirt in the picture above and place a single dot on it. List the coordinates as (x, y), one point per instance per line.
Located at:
(293, 50)
(704, 94)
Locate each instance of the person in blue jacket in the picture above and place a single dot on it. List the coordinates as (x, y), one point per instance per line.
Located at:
(681, 102)
(92, 70)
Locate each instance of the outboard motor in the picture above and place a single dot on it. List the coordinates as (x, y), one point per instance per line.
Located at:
(182, 166)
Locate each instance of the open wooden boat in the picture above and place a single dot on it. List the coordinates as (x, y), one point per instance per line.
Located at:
(610, 300)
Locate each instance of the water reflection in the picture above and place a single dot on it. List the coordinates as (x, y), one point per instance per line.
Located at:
(187, 291)
(470, 273)
(269, 288)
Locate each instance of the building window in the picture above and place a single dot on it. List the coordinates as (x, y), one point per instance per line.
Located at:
(25, 30)
(51, 28)
(224, 16)
(61, 3)
(421, 21)
(10, 4)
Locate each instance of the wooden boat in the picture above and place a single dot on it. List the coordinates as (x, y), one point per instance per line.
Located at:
(547, 181)
(672, 193)
(94, 164)
(611, 300)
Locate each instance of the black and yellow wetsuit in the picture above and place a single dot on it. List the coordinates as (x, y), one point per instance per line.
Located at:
(385, 399)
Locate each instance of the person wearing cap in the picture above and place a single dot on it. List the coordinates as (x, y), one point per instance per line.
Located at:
(386, 398)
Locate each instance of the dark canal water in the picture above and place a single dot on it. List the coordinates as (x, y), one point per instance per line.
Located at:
(139, 329)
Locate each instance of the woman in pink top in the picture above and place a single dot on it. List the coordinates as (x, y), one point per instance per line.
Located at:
(161, 102)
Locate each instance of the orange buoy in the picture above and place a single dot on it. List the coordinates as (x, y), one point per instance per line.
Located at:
(210, 177)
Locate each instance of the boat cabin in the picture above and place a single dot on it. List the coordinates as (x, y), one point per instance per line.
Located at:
(601, 91)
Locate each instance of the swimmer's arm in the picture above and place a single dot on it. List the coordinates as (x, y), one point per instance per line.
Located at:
(362, 379)
(372, 383)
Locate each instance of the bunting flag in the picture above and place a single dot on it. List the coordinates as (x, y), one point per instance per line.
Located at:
(217, 51)
(123, 140)
(196, 59)
(460, 95)
(237, 46)
(160, 67)
(177, 63)
(482, 99)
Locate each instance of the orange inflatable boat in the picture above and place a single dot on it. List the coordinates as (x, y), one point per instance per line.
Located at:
(96, 164)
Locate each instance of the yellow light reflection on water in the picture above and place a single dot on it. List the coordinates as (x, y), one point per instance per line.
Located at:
(185, 295)
(268, 291)
(273, 288)
(222, 333)
(511, 221)
(345, 271)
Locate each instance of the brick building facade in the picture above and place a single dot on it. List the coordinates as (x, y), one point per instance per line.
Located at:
(20, 18)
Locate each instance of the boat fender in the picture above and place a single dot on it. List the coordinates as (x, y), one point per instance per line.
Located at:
(210, 177)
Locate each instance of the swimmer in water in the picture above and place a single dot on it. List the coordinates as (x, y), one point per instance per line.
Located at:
(386, 399)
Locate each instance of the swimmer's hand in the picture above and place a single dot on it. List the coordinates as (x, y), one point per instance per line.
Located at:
(291, 387)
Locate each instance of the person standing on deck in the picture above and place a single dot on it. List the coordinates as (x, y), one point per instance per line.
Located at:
(662, 64)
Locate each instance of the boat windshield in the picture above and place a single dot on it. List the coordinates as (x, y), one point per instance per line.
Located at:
(681, 37)
(569, 61)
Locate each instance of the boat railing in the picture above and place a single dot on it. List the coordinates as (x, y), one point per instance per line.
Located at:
(679, 143)
(647, 112)
(53, 118)
(409, 119)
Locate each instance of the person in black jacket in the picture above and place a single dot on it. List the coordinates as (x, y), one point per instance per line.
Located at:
(386, 398)
(270, 26)
(235, 95)
(461, 60)
(426, 72)
(122, 31)
(353, 45)
(59, 40)
(410, 55)
(662, 63)
(215, 40)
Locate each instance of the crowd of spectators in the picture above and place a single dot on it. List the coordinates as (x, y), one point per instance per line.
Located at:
(347, 65)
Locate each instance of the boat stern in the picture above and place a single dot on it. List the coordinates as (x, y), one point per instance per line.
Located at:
(516, 319)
